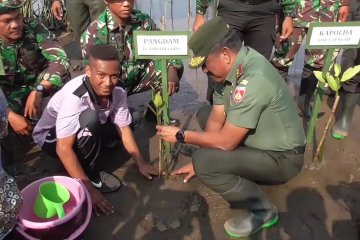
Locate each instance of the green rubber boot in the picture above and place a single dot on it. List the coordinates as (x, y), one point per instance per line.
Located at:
(343, 123)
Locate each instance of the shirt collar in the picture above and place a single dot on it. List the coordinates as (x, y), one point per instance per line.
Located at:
(240, 60)
(91, 91)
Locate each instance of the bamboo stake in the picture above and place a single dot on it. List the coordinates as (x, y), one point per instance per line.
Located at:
(319, 148)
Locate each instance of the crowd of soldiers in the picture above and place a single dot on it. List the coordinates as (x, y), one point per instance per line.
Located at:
(252, 132)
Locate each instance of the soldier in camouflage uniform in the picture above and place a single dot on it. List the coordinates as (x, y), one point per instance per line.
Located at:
(32, 65)
(307, 11)
(115, 26)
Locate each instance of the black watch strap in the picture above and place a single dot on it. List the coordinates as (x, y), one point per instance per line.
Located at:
(180, 136)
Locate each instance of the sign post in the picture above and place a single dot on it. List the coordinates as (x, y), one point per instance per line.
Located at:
(330, 36)
(162, 46)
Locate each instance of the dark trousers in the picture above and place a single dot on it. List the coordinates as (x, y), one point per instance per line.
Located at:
(235, 174)
(89, 140)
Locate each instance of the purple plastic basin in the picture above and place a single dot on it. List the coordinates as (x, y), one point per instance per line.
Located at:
(77, 212)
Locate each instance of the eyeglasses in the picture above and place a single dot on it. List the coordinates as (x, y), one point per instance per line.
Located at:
(3, 126)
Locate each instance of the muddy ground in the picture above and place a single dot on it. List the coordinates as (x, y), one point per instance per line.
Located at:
(322, 203)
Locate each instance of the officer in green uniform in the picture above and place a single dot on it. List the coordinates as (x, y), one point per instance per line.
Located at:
(252, 134)
(32, 65)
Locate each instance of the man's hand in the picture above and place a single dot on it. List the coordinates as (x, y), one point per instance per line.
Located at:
(100, 204)
(147, 170)
(199, 21)
(173, 81)
(344, 12)
(56, 9)
(287, 28)
(188, 169)
(33, 105)
(167, 133)
(19, 123)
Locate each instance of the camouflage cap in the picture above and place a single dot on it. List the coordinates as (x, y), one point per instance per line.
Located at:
(202, 41)
(10, 5)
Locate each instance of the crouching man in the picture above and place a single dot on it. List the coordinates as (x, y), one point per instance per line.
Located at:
(80, 118)
(253, 134)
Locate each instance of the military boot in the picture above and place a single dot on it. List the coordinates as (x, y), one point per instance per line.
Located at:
(259, 213)
(307, 89)
(343, 123)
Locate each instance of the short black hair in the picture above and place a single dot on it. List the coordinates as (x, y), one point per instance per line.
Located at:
(103, 52)
(231, 40)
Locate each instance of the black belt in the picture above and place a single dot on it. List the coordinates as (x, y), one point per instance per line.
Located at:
(254, 2)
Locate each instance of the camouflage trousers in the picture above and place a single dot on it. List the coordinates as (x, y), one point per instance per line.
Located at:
(147, 79)
(285, 51)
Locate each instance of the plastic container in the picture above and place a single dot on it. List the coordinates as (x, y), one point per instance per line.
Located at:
(77, 212)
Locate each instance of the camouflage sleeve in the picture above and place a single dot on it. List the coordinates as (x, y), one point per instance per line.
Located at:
(90, 37)
(58, 62)
(201, 6)
(288, 8)
(150, 25)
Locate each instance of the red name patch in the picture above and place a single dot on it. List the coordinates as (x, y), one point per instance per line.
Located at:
(238, 94)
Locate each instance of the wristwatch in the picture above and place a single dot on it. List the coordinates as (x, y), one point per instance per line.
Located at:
(180, 136)
(40, 88)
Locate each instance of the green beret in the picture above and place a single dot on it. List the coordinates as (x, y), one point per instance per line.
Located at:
(10, 5)
(202, 41)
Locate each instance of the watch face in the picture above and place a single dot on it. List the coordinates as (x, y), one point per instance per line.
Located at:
(39, 88)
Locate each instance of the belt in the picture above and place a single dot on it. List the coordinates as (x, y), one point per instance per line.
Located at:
(297, 150)
(254, 2)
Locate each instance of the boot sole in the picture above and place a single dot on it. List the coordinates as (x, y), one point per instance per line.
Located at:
(268, 224)
(337, 136)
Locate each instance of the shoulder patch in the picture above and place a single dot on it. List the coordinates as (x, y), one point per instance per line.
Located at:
(238, 94)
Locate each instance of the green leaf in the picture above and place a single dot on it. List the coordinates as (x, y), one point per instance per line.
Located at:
(350, 73)
(337, 69)
(157, 99)
(319, 76)
(332, 82)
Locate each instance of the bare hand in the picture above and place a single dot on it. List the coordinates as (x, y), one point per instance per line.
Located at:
(33, 105)
(19, 124)
(147, 170)
(167, 133)
(287, 28)
(56, 9)
(199, 21)
(100, 204)
(344, 12)
(188, 169)
(173, 84)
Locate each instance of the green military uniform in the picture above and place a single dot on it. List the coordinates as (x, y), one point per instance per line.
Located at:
(256, 98)
(137, 74)
(35, 57)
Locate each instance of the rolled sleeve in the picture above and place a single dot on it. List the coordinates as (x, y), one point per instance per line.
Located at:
(58, 63)
(344, 2)
(288, 8)
(246, 113)
(201, 6)
(121, 115)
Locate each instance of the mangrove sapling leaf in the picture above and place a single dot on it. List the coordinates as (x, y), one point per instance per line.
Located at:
(319, 76)
(337, 70)
(350, 73)
(333, 84)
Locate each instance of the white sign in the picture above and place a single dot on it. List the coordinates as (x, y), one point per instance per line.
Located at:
(158, 45)
(335, 35)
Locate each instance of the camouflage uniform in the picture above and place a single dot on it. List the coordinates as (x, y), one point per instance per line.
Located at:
(307, 11)
(137, 74)
(35, 57)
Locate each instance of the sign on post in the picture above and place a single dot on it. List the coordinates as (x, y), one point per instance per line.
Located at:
(329, 36)
(163, 46)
